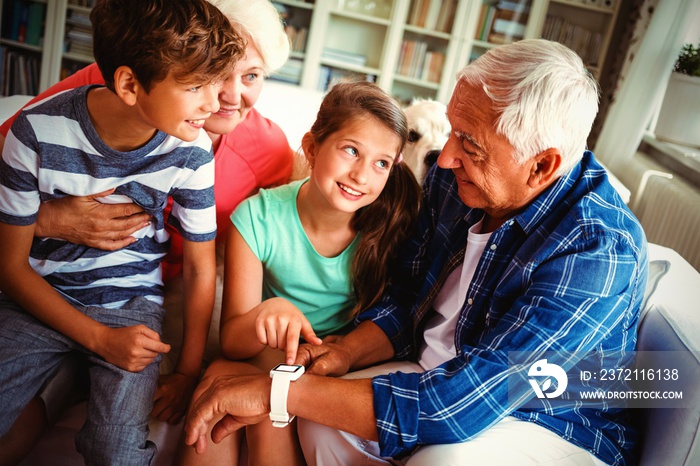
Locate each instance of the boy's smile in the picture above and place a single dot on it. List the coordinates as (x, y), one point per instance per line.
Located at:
(176, 108)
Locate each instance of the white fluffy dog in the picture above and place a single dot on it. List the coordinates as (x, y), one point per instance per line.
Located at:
(428, 132)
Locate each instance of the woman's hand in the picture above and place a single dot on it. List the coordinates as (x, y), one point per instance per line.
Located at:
(85, 220)
(279, 324)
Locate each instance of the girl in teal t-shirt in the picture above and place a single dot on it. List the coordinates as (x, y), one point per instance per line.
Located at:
(303, 259)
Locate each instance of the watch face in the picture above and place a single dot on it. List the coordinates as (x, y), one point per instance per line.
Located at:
(287, 368)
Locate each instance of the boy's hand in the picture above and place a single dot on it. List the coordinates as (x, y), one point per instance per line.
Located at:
(85, 220)
(172, 396)
(131, 348)
(279, 324)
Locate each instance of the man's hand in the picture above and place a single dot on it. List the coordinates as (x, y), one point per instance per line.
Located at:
(131, 348)
(364, 346)
(85, 220)
(330, 358)
(172, 396)
(229, 403)
(279, 324)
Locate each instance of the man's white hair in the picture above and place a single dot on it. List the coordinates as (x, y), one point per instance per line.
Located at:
(543, 95)
(261, 22)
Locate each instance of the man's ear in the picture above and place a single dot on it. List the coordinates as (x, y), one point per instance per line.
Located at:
(126, 86)
(544, 168)
(308, 146)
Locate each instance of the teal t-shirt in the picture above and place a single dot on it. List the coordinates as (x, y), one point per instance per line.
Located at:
(292, 269)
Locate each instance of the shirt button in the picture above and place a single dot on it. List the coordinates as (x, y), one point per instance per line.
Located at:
(493, 247)
(470, 301)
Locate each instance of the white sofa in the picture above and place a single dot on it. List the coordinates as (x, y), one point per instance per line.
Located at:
(670, 322)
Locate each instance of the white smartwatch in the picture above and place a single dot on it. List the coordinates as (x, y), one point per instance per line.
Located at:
(282, 375)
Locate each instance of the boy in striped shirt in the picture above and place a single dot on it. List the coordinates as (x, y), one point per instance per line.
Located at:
(141, 137)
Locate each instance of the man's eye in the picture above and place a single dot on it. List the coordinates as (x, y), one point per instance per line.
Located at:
(194, 89)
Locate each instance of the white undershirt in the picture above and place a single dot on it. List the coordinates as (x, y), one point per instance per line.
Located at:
(439, 344)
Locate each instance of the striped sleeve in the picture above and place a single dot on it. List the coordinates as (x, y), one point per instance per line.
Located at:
(19, 194)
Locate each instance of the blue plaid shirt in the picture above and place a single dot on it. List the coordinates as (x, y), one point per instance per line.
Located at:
(566, 275)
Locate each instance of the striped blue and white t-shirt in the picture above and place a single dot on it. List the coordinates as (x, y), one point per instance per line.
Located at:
(53, 150)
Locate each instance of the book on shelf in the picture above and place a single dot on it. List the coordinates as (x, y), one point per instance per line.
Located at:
(297, 37)
(344, 56)
(446, 16)
(432, 69)
(436, 15)
(290, 71)
(23, 21)
(502, 21)
(585, 42)
(416, 61)
(20, 72)
(34, 23)
(328, 77)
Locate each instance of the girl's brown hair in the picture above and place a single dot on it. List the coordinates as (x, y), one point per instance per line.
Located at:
(386, 222)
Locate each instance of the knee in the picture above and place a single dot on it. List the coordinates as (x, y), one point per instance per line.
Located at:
(123, 445)
(323, 446)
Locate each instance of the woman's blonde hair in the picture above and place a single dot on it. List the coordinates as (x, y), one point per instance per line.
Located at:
(260, 21)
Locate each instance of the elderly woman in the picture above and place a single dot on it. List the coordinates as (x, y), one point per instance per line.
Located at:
(250, 152)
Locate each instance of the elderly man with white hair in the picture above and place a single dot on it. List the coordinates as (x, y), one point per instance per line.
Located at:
(523, 248)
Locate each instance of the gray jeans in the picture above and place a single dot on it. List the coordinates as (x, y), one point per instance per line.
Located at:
(120, 401)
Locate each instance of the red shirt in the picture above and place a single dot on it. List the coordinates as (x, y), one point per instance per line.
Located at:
(256, 154)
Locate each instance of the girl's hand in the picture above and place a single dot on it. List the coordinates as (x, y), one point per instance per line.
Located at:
(173, 396)
(279, 324)
(85, 220)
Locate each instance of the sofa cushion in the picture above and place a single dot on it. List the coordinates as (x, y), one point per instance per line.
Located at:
(670, 323)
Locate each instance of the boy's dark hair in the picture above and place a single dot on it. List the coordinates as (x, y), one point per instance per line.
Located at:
(385, 223)
(190, 38)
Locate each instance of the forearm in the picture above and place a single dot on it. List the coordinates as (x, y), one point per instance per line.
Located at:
(367, 345)
(238, 338)
(37, 297)
(28, 289)
(338, 403)
(199, 291)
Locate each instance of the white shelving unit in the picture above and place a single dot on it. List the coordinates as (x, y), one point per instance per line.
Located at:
(368, 38)
(590, 18)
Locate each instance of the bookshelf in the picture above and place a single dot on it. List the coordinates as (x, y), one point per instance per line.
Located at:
(297, 17)
(431, 39)
(24, 60)
(73, 38)
(402, 45)
(585, 27)
(495, 22)
(410, 48)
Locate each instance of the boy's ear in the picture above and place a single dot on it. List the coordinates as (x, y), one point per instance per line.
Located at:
(544, 168)
(307, 145)
(126, 85)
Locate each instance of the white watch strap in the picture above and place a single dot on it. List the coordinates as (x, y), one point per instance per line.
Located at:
(278, 402)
